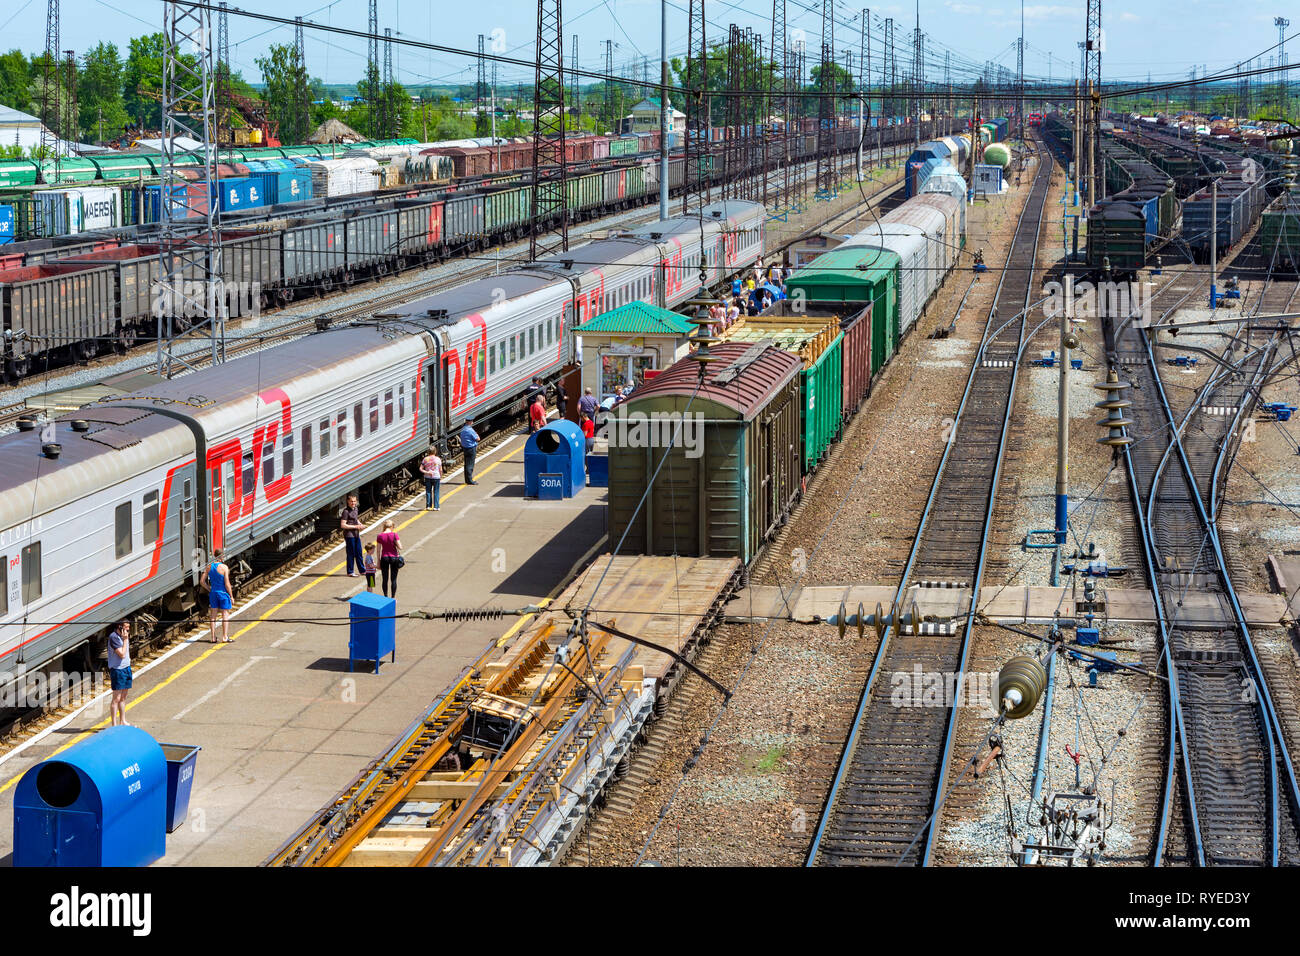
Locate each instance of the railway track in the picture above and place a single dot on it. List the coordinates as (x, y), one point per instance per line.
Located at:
(1228, 773)
(884, 801)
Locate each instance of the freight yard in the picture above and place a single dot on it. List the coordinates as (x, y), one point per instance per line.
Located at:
(841, 444)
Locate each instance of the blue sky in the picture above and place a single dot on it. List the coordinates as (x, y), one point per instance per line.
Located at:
(1162, 37)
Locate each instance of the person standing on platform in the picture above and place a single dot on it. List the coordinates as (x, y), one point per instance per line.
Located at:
(371, 568)
(589, 432)
(390, 556)
(561, 399)
(431, 468)
(221, 595)
(119, 671)
(587, 405)
(350, 522)
(469, 443)
(536, 415)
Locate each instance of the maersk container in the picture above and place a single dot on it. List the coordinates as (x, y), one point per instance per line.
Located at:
(68, 212)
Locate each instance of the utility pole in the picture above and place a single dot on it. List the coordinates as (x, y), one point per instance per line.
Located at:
(51, 101)
(300, 52)
(388, 111)
(664, 107)
(918, 77)
(1214, 244)
(73, 122)
(189, 259)
(480, 84)
(864, 84)
(697, 110)
(575, 96)
(1020, 74)
(609, 86)
(549, 230)
(826, 106)
(780, 60)
(1281, 23)
(372, 65)
(1093, 63)
(222, 90)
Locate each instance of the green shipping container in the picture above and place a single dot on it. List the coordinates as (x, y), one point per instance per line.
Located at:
(856, 276)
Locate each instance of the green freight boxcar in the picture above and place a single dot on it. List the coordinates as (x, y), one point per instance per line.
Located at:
(1279, 230)
(114, 166)
(506, 209)
(861, 276)
(733, 473)
(817, 344)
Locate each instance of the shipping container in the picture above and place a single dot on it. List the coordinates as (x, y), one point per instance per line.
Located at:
(68, 212)
(724, 493)
(6, 224)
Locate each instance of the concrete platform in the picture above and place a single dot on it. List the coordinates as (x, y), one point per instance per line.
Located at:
(1008, 605)
(282, 723)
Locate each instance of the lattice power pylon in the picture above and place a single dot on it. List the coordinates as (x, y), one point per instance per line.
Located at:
(826, 105)
(190, 293)
(550, 223)
(575, 95)
(480, 84)
(697, 112)
(300, 52)
(71, 131)
(889, 72)
(51, 100)
(1281, 23)
(222, 89)
(609, 85)
(780, 102)
(1092, 80)
(388, 116)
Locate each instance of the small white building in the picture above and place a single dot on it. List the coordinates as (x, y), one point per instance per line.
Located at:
(620, 346)
(644, 117)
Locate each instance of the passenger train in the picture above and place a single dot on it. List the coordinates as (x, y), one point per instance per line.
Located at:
(251, 457)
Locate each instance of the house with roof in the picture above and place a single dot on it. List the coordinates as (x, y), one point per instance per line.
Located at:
(644, 117)
(620, 346)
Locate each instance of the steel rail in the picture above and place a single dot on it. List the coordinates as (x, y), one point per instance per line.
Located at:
(848, 754)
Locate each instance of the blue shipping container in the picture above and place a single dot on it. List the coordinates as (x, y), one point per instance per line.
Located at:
(6, 224)
(276, 186)
(238, 193)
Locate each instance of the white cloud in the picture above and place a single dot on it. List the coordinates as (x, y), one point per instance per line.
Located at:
(1127, 17)
(1048, 11)
(970, 8)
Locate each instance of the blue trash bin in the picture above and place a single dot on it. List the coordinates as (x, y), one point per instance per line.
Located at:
(102, 803)
(181, 759)
(598, 471)
(557, 449)
(372, 628)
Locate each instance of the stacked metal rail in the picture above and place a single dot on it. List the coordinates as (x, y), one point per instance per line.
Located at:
(1228, 763)
(883, 804)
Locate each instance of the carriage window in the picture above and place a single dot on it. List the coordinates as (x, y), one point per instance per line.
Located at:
(388, 407)
(323, 430)
(492, 358)
(150, 520)
(481, 365)
(502, 361)
(287, 451)
(122, 529)
(32, 572)
(306, 445)
(401, 401)
(512, 349)
(268, 463)
(358, 420)
(532, 340)
(187, 509)
(4, 584)
(228, 476)
(374, 414)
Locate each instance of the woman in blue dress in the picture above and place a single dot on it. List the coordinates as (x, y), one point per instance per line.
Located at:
(216, 578)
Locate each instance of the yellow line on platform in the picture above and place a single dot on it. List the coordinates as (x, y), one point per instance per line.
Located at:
(252, 624)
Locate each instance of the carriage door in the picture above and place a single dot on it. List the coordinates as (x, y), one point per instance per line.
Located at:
(189, 556)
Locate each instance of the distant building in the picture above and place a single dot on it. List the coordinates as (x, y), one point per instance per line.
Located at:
(644, 117)
(23, 129)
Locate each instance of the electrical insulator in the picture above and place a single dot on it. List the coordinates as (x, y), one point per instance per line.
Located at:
(1113, 405)
(1021, 684)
